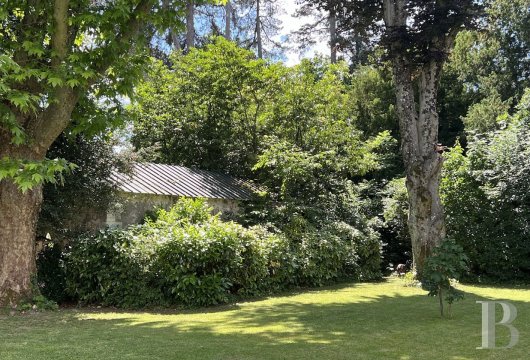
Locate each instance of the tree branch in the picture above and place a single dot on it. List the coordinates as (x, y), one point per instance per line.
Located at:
(55, 118)
(132, 27)
(59, 40)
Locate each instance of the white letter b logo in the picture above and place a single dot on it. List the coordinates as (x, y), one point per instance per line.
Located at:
(488, 323)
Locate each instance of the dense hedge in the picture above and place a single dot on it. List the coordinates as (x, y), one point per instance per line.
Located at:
(189, 257)
(486, 194)
(112, 269)
(488, 215)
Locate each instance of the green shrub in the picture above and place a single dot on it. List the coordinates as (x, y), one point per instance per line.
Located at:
(252, 274)
(410, 280)
(201, 260)
(487, 209)
(364, 261)
(320, 258)
(106, 268)
(196, 262)
(337, 252)
(281, 262)
(486, 194)
(189, 257)
(184, 211)
(38, 303)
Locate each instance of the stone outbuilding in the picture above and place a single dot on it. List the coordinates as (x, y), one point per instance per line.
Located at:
(150, 186)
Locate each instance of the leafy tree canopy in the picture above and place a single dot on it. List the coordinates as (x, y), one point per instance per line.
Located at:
(65, 62)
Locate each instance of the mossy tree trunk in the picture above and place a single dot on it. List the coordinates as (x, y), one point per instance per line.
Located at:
(416, 92)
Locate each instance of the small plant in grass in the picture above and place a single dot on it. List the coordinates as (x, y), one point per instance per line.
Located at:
(410, 280)
(442, 271)
(38, 303)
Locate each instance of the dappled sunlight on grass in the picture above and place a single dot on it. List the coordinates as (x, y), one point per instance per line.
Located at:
(358, 321)
(515, 293)
(287, 319)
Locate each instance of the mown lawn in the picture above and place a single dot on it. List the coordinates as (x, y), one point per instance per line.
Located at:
(354, 321)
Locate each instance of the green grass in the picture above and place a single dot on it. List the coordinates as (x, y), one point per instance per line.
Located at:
(354, 321)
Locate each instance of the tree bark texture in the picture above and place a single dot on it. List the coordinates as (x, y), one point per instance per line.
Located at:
(19, 210)
(416, 93)
(18, 221)
(173, 35)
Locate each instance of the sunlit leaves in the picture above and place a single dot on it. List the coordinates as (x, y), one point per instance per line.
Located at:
(35, 74)
(33, 48)
(20, 99)
(73, 83)
(55, 81)
(11, 73)
(27, 174)
(208, 108)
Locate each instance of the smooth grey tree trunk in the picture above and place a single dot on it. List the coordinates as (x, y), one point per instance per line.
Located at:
(333, 35)
(259, 40)
(228, 20)
(173, 35)
(190, 25)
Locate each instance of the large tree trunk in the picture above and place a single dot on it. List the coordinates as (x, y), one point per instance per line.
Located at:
(190, 25)
(19, 211)
(423, 163)
(259, 40)
(333, 35)
(18, 219)
(424, 167)
(418, 123)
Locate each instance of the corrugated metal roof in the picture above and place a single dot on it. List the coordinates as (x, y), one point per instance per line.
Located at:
(149, 178)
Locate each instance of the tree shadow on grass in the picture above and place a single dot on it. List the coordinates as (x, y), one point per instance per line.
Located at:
(366, 326)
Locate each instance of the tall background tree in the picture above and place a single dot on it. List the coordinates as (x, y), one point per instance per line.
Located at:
(259, 25)
(323, 26)
(62, 63)
(252, 24)
(328, 23)
(228, 20)
(418, 36)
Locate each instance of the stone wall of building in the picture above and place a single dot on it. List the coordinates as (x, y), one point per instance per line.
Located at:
(133, 208)
(224, 206)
